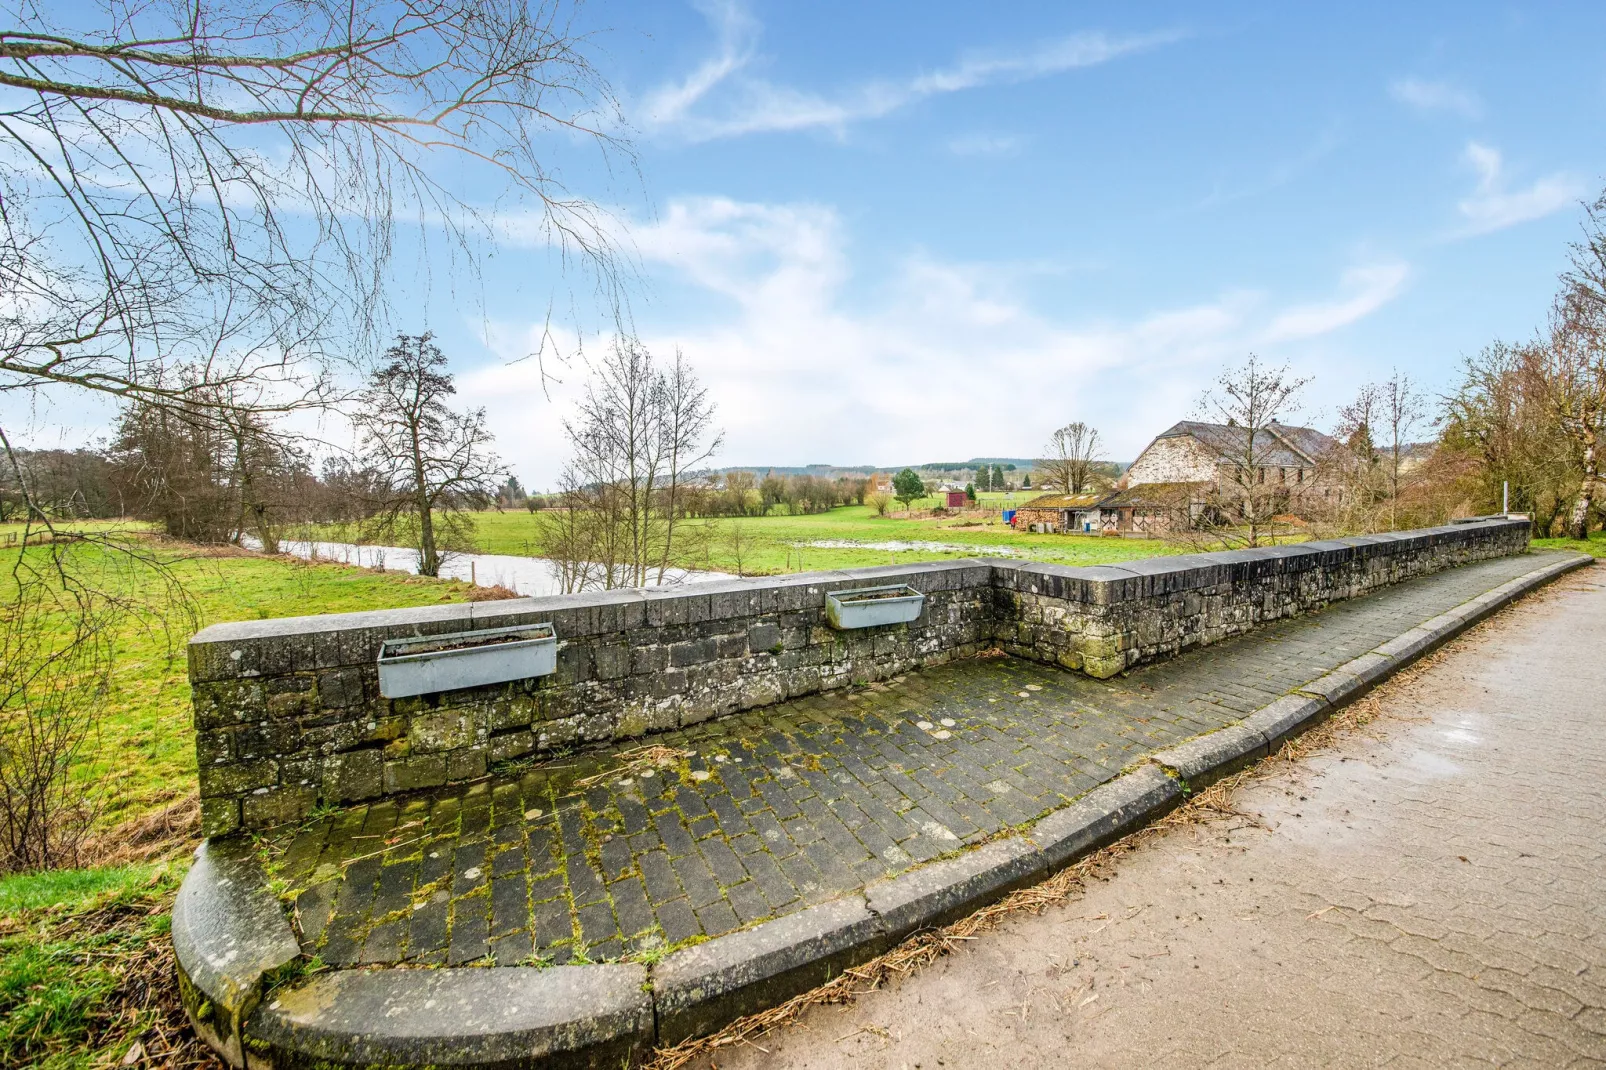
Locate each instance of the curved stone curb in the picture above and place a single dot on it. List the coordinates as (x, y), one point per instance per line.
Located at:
(607, 1014)
(229, 935)
(505, 1016)
(1205, 759)
(945, 891)
(699, 989)
(1104, 815)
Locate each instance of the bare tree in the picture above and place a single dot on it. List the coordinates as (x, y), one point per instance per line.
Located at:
(1575, 385)
(1249, 399)
(688, 417)
(1378, 429)
(638, 431)
(55, 660)
(1358, 467)
(1073, 455)
(216, 183)
(1402, 411)
(1503, 417)
(432, 463)
(736, 542)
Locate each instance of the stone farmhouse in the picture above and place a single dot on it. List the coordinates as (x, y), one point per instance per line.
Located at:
(1191, 470)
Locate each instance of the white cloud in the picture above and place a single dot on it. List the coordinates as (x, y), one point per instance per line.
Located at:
(1367, 289)
(1427, 96)
(809, 362)
(720, 99)
(1494, 207)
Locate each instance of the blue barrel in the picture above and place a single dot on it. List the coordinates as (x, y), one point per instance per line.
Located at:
(1009, 516)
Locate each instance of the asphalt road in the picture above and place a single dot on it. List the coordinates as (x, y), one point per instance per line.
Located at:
(1429, 891)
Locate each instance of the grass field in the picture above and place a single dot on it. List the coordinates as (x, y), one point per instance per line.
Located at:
(1595, 545)
(144, 753)
(86, 970)
(779, 543)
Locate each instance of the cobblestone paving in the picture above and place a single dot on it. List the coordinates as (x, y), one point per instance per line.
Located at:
(602, 855)
(1427, 892)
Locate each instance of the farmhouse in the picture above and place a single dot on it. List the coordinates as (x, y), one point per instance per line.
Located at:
(1194, 469)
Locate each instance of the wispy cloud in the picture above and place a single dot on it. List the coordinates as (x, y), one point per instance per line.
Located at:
(1494, 207)
(1426, 96)
(721, 99)
(1364, 290)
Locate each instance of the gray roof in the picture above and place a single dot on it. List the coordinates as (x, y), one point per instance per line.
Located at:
(1276, 445)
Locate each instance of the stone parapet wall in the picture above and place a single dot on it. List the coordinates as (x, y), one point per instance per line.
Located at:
(1104, 619)
(288, 712)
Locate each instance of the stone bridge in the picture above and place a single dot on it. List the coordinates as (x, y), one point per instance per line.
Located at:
(804, 797)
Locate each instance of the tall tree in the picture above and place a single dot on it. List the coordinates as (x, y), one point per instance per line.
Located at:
(1378, 429)
(1578, 344)
(432, 463)
(1249, 399)
(1575, 385)
(214, 183)
(1072, 457)
(1503, 418)
(907, 486)
(638, 432)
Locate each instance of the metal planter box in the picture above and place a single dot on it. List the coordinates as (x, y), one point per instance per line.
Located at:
(466, 659)
(870, 607)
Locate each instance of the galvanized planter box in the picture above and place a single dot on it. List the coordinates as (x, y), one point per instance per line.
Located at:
(466, 659)
(870, 607)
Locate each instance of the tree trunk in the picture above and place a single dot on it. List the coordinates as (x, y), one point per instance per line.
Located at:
(1578, 522)
(429, 561)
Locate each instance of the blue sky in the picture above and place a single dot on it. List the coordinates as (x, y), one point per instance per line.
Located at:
(886, 236)
(893, 233)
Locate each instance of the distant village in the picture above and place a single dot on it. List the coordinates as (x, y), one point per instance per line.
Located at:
(1192, 474)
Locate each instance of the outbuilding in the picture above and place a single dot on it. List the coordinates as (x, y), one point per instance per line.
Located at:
(1065, 513)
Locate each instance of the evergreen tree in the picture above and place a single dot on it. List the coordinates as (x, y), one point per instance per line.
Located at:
(907, 486)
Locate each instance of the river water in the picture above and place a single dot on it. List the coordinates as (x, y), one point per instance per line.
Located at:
(526, 575)
(915, 546)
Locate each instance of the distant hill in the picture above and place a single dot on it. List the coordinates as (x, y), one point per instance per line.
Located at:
(831, 471)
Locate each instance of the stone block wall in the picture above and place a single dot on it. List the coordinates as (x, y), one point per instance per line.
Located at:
(288, 712)
(1105, 619)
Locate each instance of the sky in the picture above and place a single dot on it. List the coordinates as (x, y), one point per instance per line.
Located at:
(897, 233)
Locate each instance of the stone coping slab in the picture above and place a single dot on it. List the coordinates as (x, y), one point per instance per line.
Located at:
(1093, 583)
(229, 936)
(509, 1016)
(584, 1015)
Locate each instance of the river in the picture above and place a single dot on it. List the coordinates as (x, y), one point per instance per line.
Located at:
(526, 575)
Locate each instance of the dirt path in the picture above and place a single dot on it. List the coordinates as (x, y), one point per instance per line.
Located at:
(1429, 891)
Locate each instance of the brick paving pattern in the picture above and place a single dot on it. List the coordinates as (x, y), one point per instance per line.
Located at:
(601, 855)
